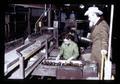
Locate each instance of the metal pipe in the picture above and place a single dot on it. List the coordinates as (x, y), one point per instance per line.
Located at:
(15, 23)
(108, 64)
(40, 19)
(110, 31)
(49, 16)
(22, 72)
(45, 7)
(29, 29)
(46, 48)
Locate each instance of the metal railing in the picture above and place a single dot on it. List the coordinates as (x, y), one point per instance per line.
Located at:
(40, 19)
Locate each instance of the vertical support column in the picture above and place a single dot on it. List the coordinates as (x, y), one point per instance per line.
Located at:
(29, 29)
(21, 67)
(49, 16)
(108, 63)
(59, 19)
(57, 38)
(46, 48)
(55, 33)
(7, 27)
(55, 25)
(15, 22)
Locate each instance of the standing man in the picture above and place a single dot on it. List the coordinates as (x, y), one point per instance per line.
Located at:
(99, 34)
(70, 22)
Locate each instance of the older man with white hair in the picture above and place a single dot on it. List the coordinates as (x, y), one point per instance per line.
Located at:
(99, 34)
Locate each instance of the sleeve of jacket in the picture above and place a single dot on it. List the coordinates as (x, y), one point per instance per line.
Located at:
(76, 52)
(104, 34)
(61, 49)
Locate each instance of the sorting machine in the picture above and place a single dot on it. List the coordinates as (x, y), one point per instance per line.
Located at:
(37, 58)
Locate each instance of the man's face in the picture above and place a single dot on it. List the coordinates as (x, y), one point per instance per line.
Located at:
(66, 41)
(91, 17)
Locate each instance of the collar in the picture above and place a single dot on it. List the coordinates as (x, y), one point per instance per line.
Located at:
(97, 19)
(100, 19)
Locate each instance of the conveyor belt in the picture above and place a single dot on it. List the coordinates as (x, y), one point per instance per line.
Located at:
(49, 70)
(12, 58)
(35, 47)
(44, 70)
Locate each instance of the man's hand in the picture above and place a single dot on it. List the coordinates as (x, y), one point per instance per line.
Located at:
(68, 60)
(88, 35)
(103, 52)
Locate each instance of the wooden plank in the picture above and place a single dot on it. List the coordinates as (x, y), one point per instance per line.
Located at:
(44, 70)
(32, 67)
(9, 69)
(69, 72)
(40, 42)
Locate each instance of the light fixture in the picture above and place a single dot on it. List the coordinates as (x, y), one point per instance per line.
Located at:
(66, 4)
(106, 6)
(82, 6)
(45, 12)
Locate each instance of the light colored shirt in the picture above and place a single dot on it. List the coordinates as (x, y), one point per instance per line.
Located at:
(69, 50)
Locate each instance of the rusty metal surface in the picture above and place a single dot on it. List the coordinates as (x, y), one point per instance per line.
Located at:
(45, 70)
(90, 70)
(68, 72)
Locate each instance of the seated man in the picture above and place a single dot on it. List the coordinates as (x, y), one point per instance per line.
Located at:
(68, 49)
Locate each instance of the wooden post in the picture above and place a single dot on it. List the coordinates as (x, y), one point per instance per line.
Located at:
(55, 31)
(108, 64)
(57, 43)
(21, 67)
(28, 25)
(15, 23)
(7, 27)
(46, 48)
(49, 16)
(102, 67)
